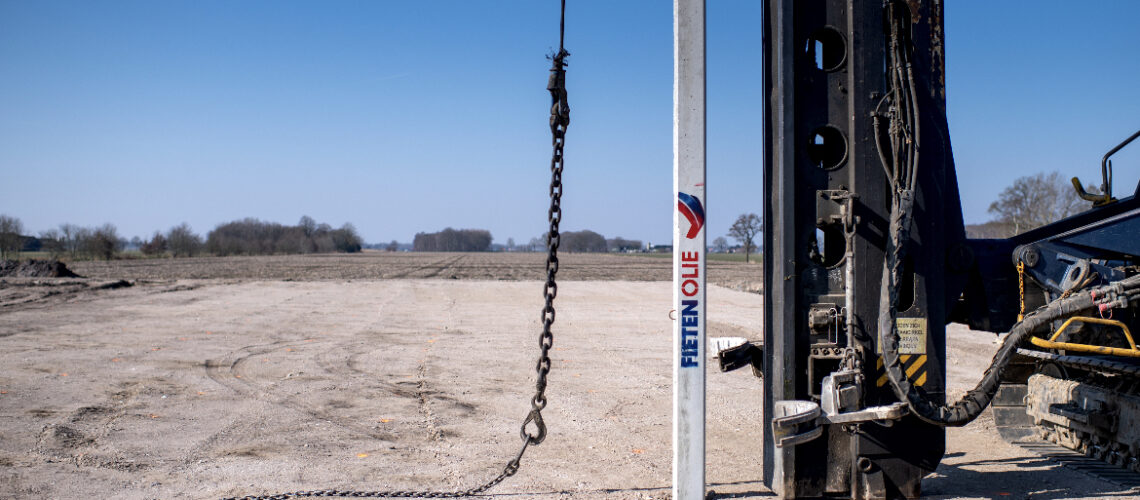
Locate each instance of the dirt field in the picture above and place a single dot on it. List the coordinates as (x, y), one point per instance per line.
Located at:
(499, 266)
(244, 383)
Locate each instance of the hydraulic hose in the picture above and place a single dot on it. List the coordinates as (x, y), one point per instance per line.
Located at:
(901, 168)
(967, 408)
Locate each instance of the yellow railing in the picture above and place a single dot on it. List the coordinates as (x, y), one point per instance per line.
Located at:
(1095, 349)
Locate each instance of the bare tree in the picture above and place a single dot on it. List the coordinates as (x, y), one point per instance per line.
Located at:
(307, 224)
(582, 241)
(106, 241)
(746, 227)
(322, 239)
(720, 244)
(102, 242)
(82, 242)
(156, 246)
(1036, 200)
(346, 239)
(183, 242)
(10, 240)
(392, 246)
(510, 244)
(53, 243)
(69, 238)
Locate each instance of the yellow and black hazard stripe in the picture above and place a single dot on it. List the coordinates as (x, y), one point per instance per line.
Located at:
(913, 364)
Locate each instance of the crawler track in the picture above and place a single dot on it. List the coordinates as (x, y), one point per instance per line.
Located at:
(1081, 463)
(1098, 455)
(1091, 363)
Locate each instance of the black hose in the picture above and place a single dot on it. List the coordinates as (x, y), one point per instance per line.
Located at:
(905, 132)
(967, 408)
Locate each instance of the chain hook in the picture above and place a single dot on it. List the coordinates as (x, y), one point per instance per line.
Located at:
(539, 435)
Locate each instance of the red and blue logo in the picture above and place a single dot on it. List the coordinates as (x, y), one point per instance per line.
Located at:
(690, 206)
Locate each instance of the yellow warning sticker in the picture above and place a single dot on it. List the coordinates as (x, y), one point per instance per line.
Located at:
(912, 336)
(914, 366)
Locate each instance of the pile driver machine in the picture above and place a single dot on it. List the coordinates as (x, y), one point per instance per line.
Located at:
(866, 260)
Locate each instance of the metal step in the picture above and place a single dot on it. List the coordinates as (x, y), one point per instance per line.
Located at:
(1008, 408)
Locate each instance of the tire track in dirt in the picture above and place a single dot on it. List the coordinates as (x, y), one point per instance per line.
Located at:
(434, 433)
(75, 438)
(438, 266)
(340, 361)
(231, 373)
(343, 362)
(449, 264)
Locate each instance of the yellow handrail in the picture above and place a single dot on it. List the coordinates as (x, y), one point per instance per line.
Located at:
(1114, 351)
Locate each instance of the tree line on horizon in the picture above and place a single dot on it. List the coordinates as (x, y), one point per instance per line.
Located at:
(76, 242)
(480, 240)
(584, 241)
(251, 236)
(453, 240)
(247, 236)
(587, 241)
(1031, 201)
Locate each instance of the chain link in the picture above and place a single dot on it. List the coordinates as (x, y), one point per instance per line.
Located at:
(559, 120)
(1021, 288)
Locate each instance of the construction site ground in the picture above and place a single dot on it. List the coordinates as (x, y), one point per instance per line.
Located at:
(214, 377)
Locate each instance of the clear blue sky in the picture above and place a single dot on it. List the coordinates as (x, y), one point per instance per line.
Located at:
(403, 117)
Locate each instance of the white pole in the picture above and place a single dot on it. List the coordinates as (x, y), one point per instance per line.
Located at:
(689, 249)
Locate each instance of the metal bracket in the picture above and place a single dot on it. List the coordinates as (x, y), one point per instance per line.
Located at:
(796, 422)
(893, 411)
(746, 354)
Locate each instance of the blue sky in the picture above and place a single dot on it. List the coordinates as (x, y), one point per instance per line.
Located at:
(403, 117)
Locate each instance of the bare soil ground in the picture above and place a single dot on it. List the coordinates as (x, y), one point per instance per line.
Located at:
(233, 384)
(497, 266)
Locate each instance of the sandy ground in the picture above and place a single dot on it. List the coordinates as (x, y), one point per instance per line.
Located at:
(212, 388)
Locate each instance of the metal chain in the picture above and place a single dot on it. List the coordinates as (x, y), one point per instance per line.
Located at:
(1021, 288)
(559, 120)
